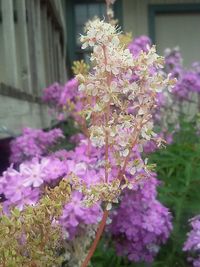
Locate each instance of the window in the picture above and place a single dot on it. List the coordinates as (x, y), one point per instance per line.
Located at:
(83, 13)
(78, 13)
(173, 25)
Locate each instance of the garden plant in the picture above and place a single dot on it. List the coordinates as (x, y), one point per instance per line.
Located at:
(116, 182)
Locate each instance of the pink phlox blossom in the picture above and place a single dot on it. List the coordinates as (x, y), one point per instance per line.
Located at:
(13, 187)
(52, 94)
(78, 168)
(61, 154)
(61, 117)
(151, 145)
(188, 80)
(69, 92)
(161, 99)
(47, 169)
(32, 172)
(75, 214)
(23, 186)
(30, 197)
(33, 143)
(173, 62)
(55, 169)
(192, 244)
(141, 223)
(141, 43)
(76, 138)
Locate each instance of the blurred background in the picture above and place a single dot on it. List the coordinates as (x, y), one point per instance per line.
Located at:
(39, 41)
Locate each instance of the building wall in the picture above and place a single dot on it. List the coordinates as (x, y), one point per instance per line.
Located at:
(32, 52)
(171, 23)
(135, 13)
(16, 114)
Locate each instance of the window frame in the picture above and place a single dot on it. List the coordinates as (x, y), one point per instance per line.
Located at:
(70, 26)
(154, 10)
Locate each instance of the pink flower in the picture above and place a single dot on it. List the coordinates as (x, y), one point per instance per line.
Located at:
(33, 173)
(76, 214)
(33, 143)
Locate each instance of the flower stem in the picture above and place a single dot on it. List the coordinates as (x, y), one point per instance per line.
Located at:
(105, 215)
(96, 240)
(106, 144)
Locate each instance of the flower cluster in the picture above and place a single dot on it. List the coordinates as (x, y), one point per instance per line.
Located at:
(64, 100)
(137, 46)
(141, 223)
(24, 186)
(119, 113)
(141, 43)
(181, 100)
(120, 109)
(69, 92)
(163, 136)
(59, 95)
(51, 94)
(33, 237)
(110, 12)
(80, 67)
(115, 108)
(173, 62)
(181, 103)
(188, 80)
(177, 103)
(76, 215)
(33, 143)
(192, 244)
(76, 249)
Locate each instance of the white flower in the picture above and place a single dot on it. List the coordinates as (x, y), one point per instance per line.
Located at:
(97, 136)
(133, 170)
(115, 41)
(113, 86)
(109, 206)
(124, 153)
(81, 87)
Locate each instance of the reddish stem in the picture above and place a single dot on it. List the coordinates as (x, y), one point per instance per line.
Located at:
(106, 145)
(105, 215)
(106, 121)
(97, 238)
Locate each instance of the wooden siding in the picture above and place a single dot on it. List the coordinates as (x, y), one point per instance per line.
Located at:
(25, 26)
(32, 52)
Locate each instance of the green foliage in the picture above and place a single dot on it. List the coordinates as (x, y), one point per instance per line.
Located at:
(105, 255)
(178, 168)
(69, 129)
(29, 238)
